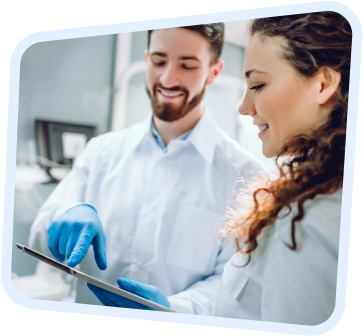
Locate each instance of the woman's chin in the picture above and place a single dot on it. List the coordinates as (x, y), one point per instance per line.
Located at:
(267, 152)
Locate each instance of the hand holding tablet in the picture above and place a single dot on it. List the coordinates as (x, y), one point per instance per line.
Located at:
(148, 292)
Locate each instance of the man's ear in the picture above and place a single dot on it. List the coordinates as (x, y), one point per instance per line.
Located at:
(146, 55)
(214, 71)
(327, 82)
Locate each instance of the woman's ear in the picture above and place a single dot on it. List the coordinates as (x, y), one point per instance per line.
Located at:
(327, 83)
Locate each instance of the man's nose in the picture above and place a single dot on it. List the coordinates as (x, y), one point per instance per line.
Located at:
(170, 77)
(247, 107)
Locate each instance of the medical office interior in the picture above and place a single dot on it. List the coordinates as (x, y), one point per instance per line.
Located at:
(72, 90)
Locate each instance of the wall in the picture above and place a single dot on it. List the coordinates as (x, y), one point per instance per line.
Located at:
(70, 81)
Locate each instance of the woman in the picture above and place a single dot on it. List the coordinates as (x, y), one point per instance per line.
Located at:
(285, 269)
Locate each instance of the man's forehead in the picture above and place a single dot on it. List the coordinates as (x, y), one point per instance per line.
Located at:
(180, 40)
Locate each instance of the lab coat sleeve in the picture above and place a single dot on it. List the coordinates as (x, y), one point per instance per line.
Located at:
(199, 298)
(68, 193)
(299, 286)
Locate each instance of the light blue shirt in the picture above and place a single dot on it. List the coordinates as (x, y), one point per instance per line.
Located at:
(281, 285)
(160, 141)
(160, 210)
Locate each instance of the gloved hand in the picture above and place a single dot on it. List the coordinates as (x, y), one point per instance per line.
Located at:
(146, 291)
(71, 234)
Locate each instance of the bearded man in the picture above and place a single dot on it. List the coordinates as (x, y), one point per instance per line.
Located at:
(150, 197)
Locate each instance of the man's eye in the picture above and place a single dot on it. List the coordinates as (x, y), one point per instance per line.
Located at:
(184, 66)
(158, 63)
(257, 87)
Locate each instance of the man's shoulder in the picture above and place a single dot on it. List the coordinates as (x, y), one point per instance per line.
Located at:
(114, 139)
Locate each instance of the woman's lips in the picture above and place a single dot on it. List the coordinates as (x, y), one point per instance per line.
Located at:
(263, 129)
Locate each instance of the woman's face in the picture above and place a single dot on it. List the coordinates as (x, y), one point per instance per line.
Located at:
(279, 100)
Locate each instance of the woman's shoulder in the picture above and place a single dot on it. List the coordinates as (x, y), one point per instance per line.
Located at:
(316, 237)
(320, 225)
(324, 212)
(322, 202)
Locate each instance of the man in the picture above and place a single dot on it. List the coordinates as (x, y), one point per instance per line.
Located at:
(156, 191)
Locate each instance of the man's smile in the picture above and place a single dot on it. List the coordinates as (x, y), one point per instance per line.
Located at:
(168, 95)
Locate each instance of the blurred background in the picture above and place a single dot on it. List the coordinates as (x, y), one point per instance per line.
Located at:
(72, 90)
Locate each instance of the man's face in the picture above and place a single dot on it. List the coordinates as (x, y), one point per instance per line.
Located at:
(178, 69)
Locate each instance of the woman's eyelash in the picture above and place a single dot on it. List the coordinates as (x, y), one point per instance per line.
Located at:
(257, 87)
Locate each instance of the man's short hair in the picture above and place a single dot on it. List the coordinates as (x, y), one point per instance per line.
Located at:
(213, 32)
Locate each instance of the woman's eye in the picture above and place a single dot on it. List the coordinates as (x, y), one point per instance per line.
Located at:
(257, 87)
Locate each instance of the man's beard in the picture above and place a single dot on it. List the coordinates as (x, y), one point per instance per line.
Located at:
(169, 112)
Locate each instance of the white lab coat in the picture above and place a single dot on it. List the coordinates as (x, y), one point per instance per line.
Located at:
(281, 285)
(160, 210)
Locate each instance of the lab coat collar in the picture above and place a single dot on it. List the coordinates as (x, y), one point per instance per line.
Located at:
(203, 136)
(144, 131)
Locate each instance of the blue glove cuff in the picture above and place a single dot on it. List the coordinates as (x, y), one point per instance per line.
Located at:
(87, 205)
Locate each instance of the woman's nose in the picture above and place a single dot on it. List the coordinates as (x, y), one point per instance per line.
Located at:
(169, 77)
(247, 107)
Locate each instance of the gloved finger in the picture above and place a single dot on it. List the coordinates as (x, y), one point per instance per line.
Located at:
(80, 250)
(99, 250)
(53, 244)
(62, 242)
(146, 291)
(149, 292)
(71, 243)
(96, 291)
(124, 302)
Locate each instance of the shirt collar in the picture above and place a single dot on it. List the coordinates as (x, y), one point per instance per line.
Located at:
(160, 141)
(203, 136)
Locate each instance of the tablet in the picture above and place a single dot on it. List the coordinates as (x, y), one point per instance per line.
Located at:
(94, 281)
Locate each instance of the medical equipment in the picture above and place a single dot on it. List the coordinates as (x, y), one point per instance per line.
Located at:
(58, 146)
(94, 281)
(62, 142)
(33, 169)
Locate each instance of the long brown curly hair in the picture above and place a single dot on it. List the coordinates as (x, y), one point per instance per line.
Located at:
(315, 163)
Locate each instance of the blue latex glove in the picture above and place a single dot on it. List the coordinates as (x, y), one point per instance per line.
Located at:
(72, 233)
(146, 291)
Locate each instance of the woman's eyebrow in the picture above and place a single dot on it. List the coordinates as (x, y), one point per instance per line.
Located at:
(248, 73)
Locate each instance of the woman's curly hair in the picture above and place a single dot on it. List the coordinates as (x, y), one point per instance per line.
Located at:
(315, 164)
